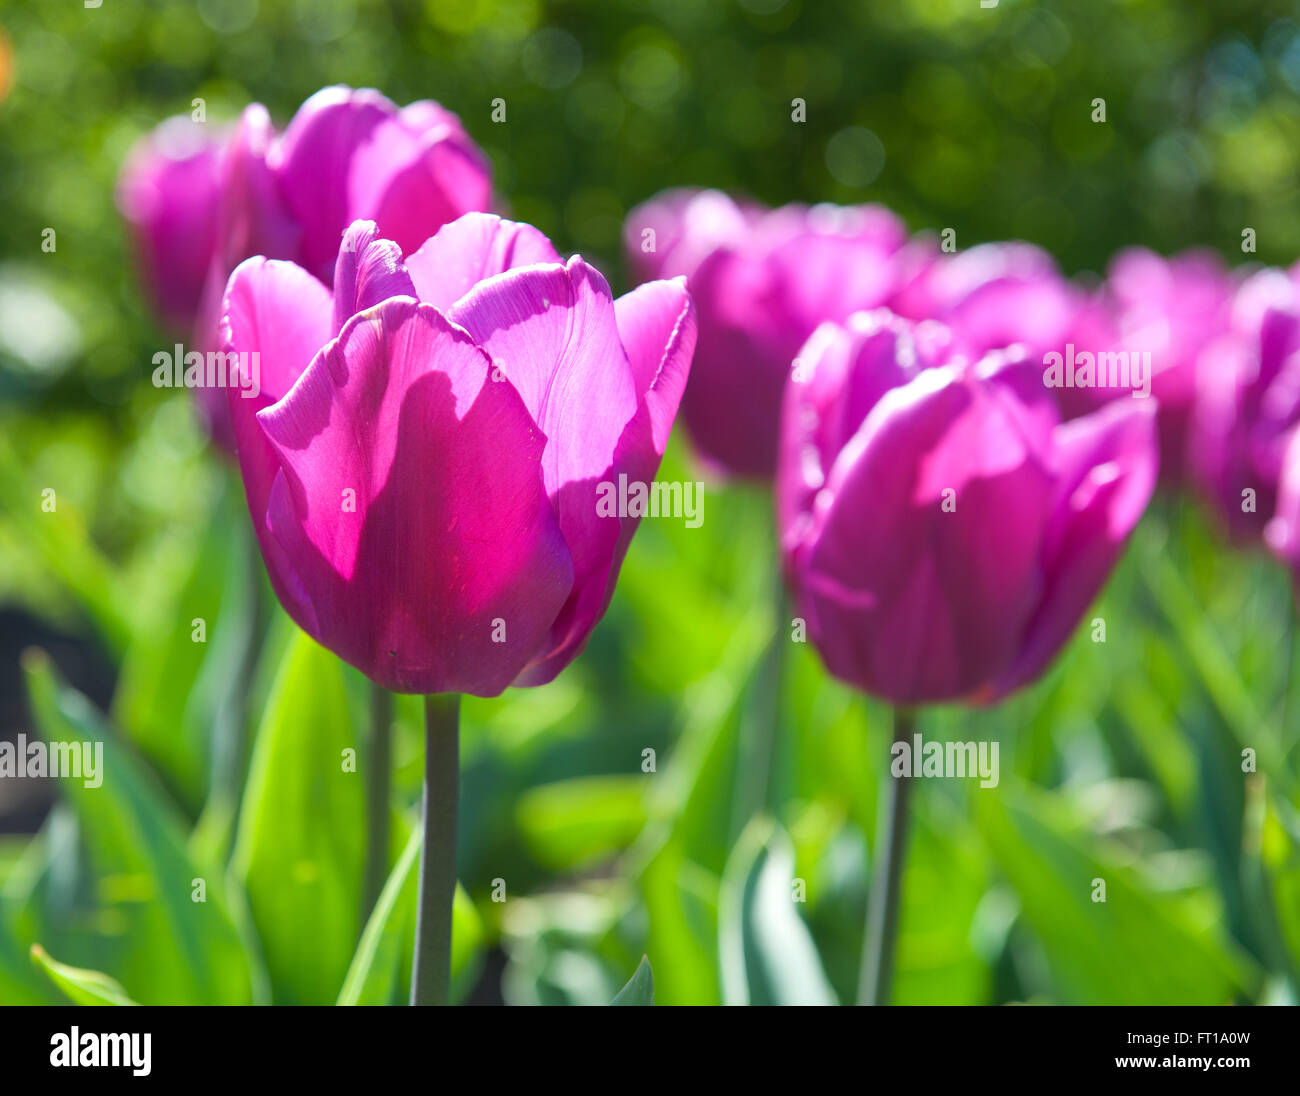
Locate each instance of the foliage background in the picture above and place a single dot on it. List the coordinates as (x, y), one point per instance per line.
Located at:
(1123, 764)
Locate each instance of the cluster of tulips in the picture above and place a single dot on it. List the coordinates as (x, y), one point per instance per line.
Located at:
(441, 394)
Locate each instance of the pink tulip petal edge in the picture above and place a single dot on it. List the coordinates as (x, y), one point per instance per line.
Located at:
(422, 460)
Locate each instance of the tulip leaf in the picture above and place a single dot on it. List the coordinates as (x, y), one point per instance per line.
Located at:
(573, 823)
(300, 841)
(165, 943)
(82, 987)
(178, 674)
(1139, 946)
(640, 989)
(767, 955)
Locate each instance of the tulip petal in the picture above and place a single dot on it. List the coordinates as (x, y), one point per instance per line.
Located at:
(168, 193)
(368, 272)
(935, 607)
(552, 331)
(279, 312)
(410, 501)
(470, 250)
(314, 163)
(1109, 461)
(411, 184)
(656, 323)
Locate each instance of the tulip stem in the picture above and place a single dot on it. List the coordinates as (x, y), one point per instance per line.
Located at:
(378, 784)
(882, 904)
(431, 973)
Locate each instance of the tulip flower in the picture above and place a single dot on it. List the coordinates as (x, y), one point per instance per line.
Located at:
(168, 194)
(943, 531)
(422, 466)
(198, 205)
(423, 458)
(992, 296)
(1248, 403)
(1176, 311)
(762, 280)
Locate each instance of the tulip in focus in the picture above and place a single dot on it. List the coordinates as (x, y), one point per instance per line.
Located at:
(762, 280)
(943, 531)
(422, 463)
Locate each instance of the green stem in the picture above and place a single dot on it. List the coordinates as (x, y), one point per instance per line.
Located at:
(1287, 743)
(882, 906)
(379, 764)
(431, 972)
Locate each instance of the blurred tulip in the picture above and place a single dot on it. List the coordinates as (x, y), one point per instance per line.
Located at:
(1248, 402)
(422, 463)
(762, 280)
(943, 531)
(198, 205)
(168, 193)
(992, 296)
(1179, 310)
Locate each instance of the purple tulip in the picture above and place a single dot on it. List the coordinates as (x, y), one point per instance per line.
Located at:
(943, 530)
(1179, 311)
(346, 155)
(762, 280)
(992, 296)
(168, 194)
(423, 461)
(1248, 402)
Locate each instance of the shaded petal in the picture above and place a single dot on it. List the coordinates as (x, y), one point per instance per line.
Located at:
(470, 250)
(657, 326)
(1108, 466)
(279, 312)
(411, 184)
(936, 607)
(313, 162)
(452, 529)
(255, 220)
(744, 354)
(552, 332)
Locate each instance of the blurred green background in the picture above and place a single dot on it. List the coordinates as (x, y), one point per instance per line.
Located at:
(1124, 764)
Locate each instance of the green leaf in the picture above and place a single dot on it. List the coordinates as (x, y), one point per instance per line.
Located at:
(640, 989)
(82, 987)
(573, 823)
(1141, 946)
(163, 945)
(767, 954)
(300, 843)
(380, 973)
(375, 975)
(174, 691)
